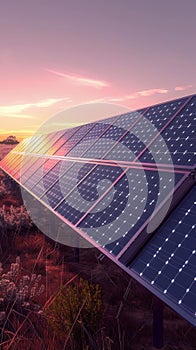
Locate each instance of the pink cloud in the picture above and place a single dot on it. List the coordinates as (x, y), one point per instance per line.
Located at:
(183, 88)
(134, 96)
(146, 93)
(152, 92)
(98, 84)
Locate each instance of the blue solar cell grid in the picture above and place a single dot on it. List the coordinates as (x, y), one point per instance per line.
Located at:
(127, 206)
(105, 142)
(110, 138)
(88, 140)
(168, 262)
(74, 139)
(177, 143)
(72, 196)
(148, 127)
(159, 115)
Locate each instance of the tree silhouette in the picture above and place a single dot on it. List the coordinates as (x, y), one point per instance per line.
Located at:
(11, 140)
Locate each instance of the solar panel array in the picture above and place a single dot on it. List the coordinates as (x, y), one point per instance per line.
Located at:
(108, 179)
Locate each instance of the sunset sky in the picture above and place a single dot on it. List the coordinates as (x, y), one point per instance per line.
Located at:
(57, 54)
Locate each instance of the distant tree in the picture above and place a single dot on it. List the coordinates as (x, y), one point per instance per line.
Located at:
(11, 140)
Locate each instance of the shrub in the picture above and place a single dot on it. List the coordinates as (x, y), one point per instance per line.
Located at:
(76, 314)
(14, 218)
(18, 303)
(18, 290)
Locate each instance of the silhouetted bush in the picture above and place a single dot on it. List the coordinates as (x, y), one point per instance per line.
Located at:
(76, 314)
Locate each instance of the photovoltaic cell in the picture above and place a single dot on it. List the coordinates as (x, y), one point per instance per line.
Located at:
(126, 121)
(35, 142)
(113, 135)
(11, 162)
(127, 206)
(126, 149)
(30, 163)
(110, 120)
(160, 114)
(41, 144)
(21, 163)
(180, 139)
(52, 195)
(135, 141)
(167, 263)
(44, 178)
(55, 146)
(88, 140)
(36, 177)
(73, 140)
(20, 146)
(105, 142)
(92, 184)
(50, 141)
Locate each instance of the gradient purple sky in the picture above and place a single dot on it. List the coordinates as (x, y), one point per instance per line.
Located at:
(56, 54)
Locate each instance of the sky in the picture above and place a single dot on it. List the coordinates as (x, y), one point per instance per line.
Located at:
(57, 54)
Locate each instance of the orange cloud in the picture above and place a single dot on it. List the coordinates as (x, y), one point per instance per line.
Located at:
(98, 84)
(15, 111)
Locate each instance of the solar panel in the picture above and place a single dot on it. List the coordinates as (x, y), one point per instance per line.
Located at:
(168, 262)
(88, 140)
(114, 182)
(55, 146)
(135, 142)
(74, 139)
(131, 202)
(113, 134)
(11, 162)
(47, 173)
(28, 163)
(179, 137)
(160, 114)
